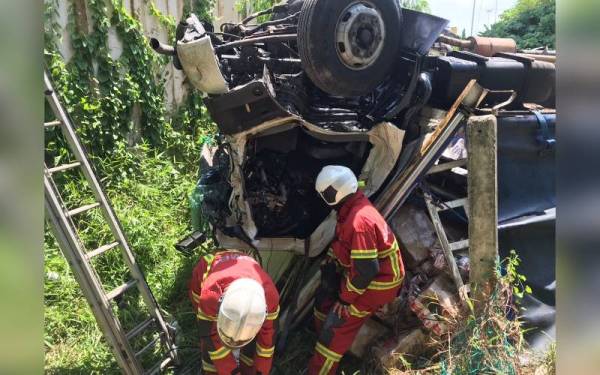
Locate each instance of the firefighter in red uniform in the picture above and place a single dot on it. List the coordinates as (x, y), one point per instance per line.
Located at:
(236, 303)
(370, 270)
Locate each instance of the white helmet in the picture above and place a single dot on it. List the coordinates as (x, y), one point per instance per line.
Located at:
(242, 312)
(335, 182)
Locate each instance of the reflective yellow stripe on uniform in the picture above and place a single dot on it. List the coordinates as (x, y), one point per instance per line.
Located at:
(326, 367)
(246, 360)
(327, 353)
(195, 297)
(393, 254)
(208, 366)
(202, 315)
(319, 315)
(363, 254)
(273, 315)
(209, 259)
(264, 352)
(219, 353)
(384, 285)
(357, 313)
(390, 251)
(352, 288)
(396, 266)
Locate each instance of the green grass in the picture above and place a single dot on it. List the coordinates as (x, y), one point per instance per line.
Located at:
(149, 192)
(484, 340)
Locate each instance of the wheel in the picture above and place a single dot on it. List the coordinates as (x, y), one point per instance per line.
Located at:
(348, 47)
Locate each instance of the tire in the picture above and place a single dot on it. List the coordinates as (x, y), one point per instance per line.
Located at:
(320, 50)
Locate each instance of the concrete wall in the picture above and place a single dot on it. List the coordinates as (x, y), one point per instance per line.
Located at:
(174, 86)
(225, 12)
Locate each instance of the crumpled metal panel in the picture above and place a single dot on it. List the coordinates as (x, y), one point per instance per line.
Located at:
(387, 146)
(200, 64)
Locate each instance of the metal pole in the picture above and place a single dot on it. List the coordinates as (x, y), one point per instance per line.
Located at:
(473, 17)
(496, 13)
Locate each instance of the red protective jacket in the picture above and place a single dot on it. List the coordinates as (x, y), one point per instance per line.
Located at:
(210, 279)
(367, 249)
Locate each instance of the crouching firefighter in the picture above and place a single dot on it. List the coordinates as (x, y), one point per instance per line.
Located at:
(236, 304)
(363, 270)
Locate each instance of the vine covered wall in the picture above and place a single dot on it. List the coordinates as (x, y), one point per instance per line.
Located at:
(114, 84)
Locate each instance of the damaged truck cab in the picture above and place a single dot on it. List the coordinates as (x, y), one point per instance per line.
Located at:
(359, 83)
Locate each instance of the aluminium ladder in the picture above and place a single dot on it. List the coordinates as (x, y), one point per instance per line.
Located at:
(434, 208)
(65, 232)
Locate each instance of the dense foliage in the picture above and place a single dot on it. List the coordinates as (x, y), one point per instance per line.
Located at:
(419, 5)
(532, 23)
(112, 100)
(244, 7)
(146, 157)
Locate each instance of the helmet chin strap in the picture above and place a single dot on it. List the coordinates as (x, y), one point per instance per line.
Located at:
(338, 206)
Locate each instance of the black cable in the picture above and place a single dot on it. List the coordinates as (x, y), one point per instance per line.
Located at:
(272, 23)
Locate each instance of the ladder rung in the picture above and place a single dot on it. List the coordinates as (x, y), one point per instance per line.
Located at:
(159, 366)
(101, 250)
(139, 328)
(120, 289)
(459, 245)
(64, 167)
(149, 345)
(82, 209)
(52, 123)
(453, 204)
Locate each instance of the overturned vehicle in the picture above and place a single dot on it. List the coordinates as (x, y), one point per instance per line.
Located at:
(364, 84)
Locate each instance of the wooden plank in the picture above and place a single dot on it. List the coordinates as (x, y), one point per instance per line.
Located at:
(441, 234)
(483, 204)
(397, 191)
(440, 128)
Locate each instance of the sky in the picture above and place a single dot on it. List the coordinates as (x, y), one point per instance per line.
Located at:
(459, 12)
